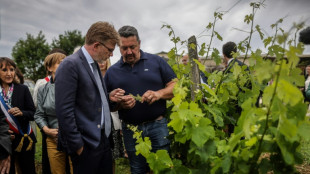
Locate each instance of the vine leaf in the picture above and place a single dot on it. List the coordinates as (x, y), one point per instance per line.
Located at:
(203, 132)
(138, 97)
(160, 160)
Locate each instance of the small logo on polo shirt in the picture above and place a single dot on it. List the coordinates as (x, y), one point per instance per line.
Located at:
(146, 69)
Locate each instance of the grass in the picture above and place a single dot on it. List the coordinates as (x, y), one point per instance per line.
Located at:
(122, 164)
(305, 151)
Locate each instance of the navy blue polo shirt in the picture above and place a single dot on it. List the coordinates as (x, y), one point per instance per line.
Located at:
(151, 72)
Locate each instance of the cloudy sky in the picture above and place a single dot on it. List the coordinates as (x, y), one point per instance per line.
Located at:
(53, 17)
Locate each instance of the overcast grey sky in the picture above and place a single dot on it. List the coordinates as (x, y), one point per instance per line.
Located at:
(188, 18)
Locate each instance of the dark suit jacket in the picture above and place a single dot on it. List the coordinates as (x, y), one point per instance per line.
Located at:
(5, 141)
(78, 104)
(231, 64)
(236, 110)
(22, 99)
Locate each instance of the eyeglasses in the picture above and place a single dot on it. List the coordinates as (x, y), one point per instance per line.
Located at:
(110, 50)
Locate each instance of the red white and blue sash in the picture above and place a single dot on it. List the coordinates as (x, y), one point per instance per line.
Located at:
(15, 126)
(47, 78)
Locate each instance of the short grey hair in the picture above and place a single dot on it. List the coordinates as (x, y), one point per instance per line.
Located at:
(127, 31)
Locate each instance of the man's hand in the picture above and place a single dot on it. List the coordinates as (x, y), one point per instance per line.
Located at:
(127, 102)
(151, 96)
(116, 95)
(80, 150)
(5, 165)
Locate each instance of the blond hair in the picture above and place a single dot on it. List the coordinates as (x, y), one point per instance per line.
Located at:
(53, 59)
(101, 32)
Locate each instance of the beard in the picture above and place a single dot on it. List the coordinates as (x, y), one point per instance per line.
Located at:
(100, 59)
(130, 59)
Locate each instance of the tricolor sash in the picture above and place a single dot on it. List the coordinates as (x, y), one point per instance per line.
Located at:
(47, 78)
(15, 126)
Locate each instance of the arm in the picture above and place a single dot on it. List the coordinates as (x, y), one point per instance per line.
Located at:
(66, 83)
(165, 93)
(24, 107)
(117, 99)
(167, 76)
(40, 117)
(5, 145)
(120, 100)
(29, 109)
(38, 84)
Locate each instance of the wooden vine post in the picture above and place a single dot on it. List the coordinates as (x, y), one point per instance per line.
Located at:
(194, 75)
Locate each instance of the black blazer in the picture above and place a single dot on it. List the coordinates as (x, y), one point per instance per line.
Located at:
(5, 141)
(22, 99)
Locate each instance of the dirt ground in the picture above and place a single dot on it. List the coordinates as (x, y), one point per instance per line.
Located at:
(303, 169)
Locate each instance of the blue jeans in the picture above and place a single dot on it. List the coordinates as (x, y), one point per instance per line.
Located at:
(157, 131)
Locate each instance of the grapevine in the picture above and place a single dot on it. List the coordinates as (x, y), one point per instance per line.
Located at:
(269, 127)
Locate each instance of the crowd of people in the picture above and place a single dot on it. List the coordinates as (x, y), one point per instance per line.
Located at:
(84, 105)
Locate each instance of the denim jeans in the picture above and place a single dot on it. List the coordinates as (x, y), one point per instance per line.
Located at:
(157, 131)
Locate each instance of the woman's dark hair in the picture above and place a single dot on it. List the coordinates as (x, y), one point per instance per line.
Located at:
(4, 62)
(19, 75)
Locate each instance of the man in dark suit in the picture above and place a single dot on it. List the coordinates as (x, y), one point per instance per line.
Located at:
(82, 102)
(5, 145)
(229, 49)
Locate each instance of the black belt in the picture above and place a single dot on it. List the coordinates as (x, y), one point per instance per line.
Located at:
(146, 122)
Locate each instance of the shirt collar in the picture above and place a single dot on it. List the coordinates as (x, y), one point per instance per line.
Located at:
(230, 61)
(89, 59)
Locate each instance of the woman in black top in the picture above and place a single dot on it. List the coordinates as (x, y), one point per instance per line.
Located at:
(17, 105)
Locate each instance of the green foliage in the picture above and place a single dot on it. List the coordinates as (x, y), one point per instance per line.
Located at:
(68, 41)
(138, 97)
(29, 55)
(262, 101)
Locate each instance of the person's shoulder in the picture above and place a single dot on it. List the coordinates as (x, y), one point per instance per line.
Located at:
(239, 62)
(71, 61)
(40, 82)
(19, 86)
(153, 57)
(72, 58)
(115, 66)
(40, 89)
(149, 55)
(43, 86)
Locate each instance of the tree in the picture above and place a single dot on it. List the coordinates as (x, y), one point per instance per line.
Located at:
(68, 41)
(29, 55)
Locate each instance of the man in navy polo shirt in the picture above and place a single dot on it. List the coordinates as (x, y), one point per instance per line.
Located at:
(147, 75)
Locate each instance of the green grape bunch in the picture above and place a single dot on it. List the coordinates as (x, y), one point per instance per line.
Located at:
(137, 98)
